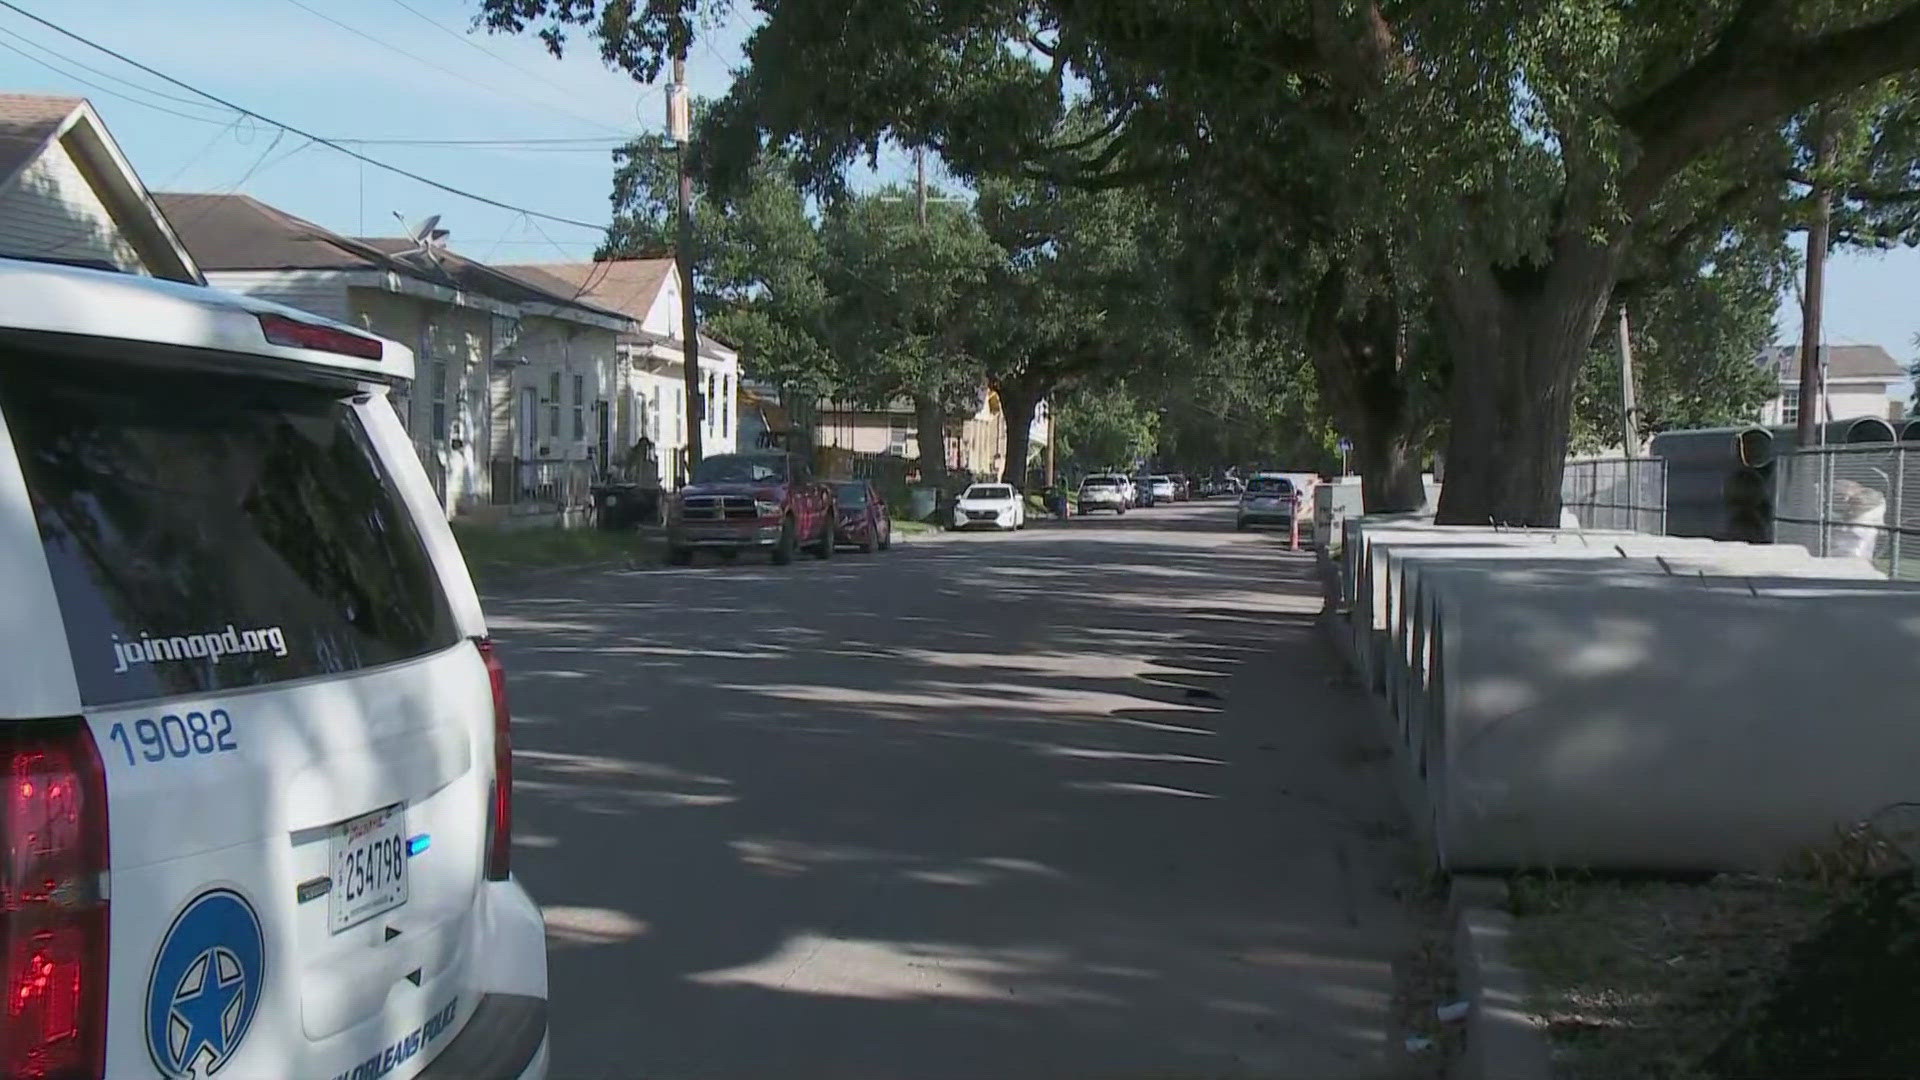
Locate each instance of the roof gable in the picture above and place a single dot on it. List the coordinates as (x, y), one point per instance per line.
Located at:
(31, 124)
(28, 122)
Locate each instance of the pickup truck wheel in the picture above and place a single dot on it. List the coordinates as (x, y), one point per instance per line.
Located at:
(872, 543)
(824, 549)
(783, 550)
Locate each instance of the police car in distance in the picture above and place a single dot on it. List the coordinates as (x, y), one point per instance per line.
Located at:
(257, 806)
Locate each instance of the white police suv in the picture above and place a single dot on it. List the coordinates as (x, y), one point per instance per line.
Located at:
(256, 811)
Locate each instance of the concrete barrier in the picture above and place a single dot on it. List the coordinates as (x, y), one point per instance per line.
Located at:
(1625, 701)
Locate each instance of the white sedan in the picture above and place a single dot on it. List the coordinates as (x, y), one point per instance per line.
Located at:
(989, 506)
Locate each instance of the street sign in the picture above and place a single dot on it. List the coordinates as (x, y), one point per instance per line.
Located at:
(1346, 446)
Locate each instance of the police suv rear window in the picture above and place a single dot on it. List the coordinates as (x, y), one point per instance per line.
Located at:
(207, 533)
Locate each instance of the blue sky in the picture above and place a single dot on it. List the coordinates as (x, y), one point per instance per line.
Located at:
(282, 60)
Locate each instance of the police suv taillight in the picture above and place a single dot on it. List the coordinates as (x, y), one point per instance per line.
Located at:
(53, 901)
(499, 847)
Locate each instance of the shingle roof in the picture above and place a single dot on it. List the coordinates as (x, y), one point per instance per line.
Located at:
(1843, 362)
(510, 283)
(628, 286)
(27, 121)
(239, 232)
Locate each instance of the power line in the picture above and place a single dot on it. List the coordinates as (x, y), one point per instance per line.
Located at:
(482, 49)
(595, 142)
(110, 92)
(398, 51)
(84, 66)
(329, 143)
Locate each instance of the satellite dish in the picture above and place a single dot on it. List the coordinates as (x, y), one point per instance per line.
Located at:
(425, 236)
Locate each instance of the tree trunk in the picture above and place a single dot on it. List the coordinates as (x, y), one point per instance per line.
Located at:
(1518, 344)
(930, 422)
(1018, 403)
(1389, 464)
(1369, 380)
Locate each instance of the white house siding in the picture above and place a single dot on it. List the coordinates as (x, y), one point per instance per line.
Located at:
(320, 292)
(1848, 402)
(447, 408)
(571, 368)
(51, 211)
(659, 401)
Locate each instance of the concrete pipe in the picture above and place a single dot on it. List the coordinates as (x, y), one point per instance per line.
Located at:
(1411, 661)
(1369, 610)
(1647, 721)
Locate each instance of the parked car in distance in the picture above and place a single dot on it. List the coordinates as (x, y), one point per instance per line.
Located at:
(765, 500)
(258, 800)
(1270, 499)
(1142, 489)
(1162, 488)
(863, 516)
(1182, 487)
(1102, 493)
(989, 506)
(1128, 488)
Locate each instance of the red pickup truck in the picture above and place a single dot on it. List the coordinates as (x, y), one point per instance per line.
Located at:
(768, 499)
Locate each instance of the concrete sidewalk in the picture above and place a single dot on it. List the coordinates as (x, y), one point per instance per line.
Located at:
(1082, 803)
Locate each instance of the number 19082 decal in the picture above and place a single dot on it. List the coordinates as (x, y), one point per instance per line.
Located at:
(177, 736)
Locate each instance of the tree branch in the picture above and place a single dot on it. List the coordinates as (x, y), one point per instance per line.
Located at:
(1864, 193)
(1752, 76)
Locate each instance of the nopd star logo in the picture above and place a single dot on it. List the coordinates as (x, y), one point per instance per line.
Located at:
(205, 985)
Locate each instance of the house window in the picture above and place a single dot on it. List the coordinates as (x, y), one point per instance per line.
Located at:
(505, 332)
(680, 415)
(1790, 406)
(579, 408)
(439, 369)
(710, 414)
(553, 405)
(726, 406)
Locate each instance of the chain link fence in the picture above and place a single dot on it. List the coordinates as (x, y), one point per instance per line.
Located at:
(1617, 493)
(1860, 501)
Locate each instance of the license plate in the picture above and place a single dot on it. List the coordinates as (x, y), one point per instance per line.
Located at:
(369, 867)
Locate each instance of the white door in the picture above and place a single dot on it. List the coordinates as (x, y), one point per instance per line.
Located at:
(529, 425)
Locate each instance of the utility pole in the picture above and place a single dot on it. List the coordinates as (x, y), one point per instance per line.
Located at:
(680, 127)
(1818, 237)
(920, 182)
(1629, 420)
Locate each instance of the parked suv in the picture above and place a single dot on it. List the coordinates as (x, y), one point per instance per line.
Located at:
(1102, 493)
(257, 801)
(1270, 499)
(768, 500)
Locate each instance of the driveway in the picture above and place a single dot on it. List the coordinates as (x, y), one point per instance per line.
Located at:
(1078, 802)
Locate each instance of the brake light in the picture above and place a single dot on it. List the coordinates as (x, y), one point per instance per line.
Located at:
(500, 822)
(53, 901)
(295, 334)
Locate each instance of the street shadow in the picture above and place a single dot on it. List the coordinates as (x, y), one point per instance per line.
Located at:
(1080, 805)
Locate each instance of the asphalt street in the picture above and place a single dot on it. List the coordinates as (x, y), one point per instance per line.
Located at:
(1079, 802)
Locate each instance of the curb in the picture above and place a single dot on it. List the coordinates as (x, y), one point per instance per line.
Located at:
(1503, 1041)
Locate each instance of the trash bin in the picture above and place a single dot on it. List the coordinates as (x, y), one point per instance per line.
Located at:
(620, 506)
(922, 502)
